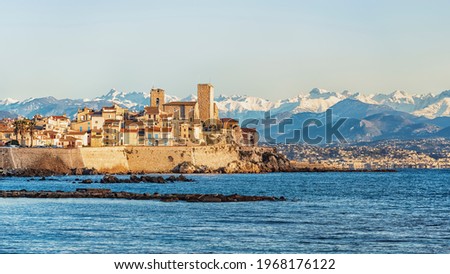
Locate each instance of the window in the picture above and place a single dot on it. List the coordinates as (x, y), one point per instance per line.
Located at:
(81, 129)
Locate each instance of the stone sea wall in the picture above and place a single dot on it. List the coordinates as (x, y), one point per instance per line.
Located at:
(40, 158)
(125, 159)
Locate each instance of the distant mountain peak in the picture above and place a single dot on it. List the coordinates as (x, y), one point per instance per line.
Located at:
(8, 101)
(318, 93)
(399, 93)
(190, 98)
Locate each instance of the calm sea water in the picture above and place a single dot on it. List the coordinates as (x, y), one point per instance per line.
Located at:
(403, 212)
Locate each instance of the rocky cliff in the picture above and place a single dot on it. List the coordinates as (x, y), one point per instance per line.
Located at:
(250, 160)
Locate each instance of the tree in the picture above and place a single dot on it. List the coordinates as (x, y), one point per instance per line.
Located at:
(31, 126)
(20, 129)
(16, 129)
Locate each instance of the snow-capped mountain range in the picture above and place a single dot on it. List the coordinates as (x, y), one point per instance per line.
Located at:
(319, 100)
(368, 117)
(241, 106)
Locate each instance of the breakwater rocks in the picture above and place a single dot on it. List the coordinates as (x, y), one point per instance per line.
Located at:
(45, 172)
(110, 179)
(108, 194)
(30, 172)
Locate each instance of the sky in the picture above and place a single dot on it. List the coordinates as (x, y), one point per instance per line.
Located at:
(269, 49)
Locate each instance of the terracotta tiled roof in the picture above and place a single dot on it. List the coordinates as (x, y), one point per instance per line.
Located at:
(153, 128)
(7, 130)
(151, 110)
(112, 121)
(69, 138)
(180, 103)
(59, 117)
(77, 133)
(166, 115)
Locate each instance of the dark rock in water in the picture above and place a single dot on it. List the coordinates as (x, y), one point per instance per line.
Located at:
(30, 172)
(108, 194)
(153, 179)
(181, 178)
(89, 171)
(210, 199)
(42, 179)
(109, 179)
(167, 199)
(84, 171)
(135, 179)
(86, 181)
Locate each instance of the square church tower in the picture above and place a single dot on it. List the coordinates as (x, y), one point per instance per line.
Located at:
(205, 94)
(157, 97)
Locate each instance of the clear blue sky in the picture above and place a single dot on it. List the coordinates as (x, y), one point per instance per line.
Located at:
(271, 49)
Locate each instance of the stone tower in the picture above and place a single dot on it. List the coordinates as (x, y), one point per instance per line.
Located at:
(157, 97)
(205, 94)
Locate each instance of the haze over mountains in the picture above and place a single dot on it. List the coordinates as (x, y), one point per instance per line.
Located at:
(369, 117)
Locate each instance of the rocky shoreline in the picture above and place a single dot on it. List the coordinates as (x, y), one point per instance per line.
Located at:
(108, 194)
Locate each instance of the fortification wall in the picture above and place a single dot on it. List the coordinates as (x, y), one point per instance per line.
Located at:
(105, 159)
(7, 160)
(156, 159)
(40, 158)
(118, 159)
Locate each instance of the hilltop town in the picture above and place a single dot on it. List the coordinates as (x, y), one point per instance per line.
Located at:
(161, 123)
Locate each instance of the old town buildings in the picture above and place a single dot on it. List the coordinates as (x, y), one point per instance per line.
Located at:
(161, 123)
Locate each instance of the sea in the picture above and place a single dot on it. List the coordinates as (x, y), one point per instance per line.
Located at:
(332, 212)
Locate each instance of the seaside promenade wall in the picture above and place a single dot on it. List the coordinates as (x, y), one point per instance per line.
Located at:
(118, 159)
